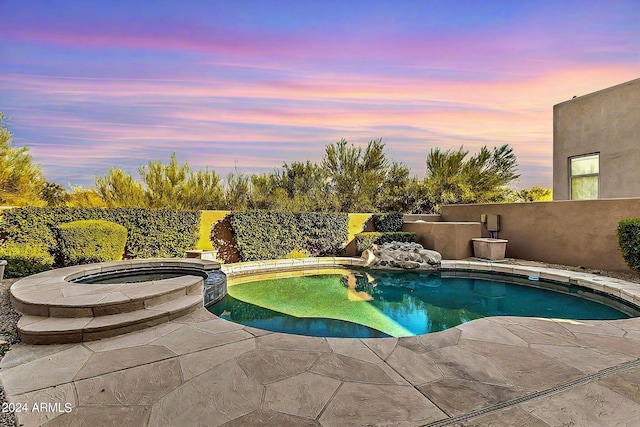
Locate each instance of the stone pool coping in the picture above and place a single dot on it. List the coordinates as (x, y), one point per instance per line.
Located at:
(199, 369)
(272, 269)
(627, 291)
(58, 311)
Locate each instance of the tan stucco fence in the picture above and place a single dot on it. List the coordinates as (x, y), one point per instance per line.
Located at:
(578, 233)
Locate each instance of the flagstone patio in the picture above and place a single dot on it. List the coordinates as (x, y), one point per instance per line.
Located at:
(202, 370)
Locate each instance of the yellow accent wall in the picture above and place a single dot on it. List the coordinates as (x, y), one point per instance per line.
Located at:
(207, 219)
(356, 222)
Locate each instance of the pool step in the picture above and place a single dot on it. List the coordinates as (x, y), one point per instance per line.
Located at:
(60, 330)
(57, 309)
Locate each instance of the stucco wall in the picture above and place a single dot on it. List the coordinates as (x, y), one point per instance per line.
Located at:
(451, 239)
(608, 122)
(579, 233)
(421, 217)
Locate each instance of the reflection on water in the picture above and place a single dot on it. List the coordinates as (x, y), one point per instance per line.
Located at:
(416, 301)
(237, 311)
(359, 290)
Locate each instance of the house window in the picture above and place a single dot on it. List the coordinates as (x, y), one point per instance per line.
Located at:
(584, 177)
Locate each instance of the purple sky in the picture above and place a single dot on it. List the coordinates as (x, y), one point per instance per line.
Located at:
(90, 85)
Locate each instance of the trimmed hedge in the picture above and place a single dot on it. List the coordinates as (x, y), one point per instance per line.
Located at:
(151, 232)
(24, 259)
(90, 240)
(367, 239)
(270, 235)
(389, 222)
(629, 242)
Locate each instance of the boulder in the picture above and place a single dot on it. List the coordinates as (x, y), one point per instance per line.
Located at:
(431, 257)
(401, 255)
(408, 265)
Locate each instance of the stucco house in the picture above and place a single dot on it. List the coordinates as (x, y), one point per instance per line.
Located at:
(596, 144)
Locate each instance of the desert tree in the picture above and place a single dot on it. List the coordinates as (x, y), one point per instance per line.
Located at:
(54, 194)
(533, 194)
(355, 176)
(21, 180)
(202, 190)
(163, 182)
(453, 178)
(119, 190)
(237, 192)
(306, 186)
(396, 193)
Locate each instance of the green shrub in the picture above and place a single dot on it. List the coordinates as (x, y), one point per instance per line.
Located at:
(389, 222)
(269, 235)
(367, 239)
(151, 232)
(90, 240)
(26, 225)
(25, 259)
(629, 242)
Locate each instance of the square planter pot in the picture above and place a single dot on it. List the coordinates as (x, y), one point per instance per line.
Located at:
(492, 249)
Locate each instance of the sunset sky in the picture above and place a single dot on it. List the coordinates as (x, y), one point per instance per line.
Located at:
(91, 84)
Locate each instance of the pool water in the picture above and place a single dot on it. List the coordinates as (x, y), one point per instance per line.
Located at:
(374, 303)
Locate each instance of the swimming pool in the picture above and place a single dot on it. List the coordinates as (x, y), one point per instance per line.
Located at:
(375, 303)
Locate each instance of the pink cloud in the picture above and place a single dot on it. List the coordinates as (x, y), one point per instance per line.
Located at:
(477, 50)
(205, 118)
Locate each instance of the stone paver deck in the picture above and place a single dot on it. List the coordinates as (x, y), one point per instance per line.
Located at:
(200, 370)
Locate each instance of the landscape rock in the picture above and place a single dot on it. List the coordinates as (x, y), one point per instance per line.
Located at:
(402, 255)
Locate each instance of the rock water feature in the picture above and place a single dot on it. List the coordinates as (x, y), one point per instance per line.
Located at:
(410, 256)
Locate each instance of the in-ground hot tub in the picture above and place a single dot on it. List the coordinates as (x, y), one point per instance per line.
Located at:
(215, 281)
(138, 275)
(88, 302)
